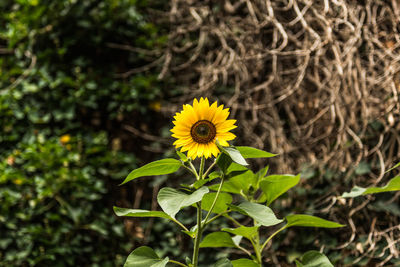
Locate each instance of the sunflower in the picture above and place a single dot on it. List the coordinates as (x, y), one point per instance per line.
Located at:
(197, 128)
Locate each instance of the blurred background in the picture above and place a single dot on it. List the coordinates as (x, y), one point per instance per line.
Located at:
(88, 90)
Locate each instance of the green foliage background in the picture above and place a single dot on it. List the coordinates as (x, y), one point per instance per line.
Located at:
(58, 77)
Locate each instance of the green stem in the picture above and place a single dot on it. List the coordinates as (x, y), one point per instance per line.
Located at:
(194, 170)
(197, 239)
(233, 220)
(215, 199)
(256, 247)
(198, 236)
(210, 168)
(177, 263)
(271, 236)
(191, 170)
(203, 160)
(180, 224)
(244, 250)
(216, 217)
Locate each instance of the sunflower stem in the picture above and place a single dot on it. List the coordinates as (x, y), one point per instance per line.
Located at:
(203, 160)
(197, 239)
(257, 247)
(198, 236)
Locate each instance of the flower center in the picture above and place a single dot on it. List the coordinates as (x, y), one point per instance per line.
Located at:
(203, 132)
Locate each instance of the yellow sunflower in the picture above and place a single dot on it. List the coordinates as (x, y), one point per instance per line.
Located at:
(197, 128)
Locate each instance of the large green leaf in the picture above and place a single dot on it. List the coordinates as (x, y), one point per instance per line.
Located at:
(223, 263)
(247, 232)
(314, 259)
(234, 154)
(172, 200)
(392, 185)
(310, 221)
(223, 162)
(275, 185)
(244, 263)
(237, 184)
(220, 204)
(159, 167)
(227, 166)
(217, 240)
(251, 152)
(260, 213)
(145, 257)
(140, 213)
(235, 168)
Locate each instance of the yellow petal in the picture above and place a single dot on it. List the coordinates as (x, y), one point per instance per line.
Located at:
(187, 147)
(222, 142)
(226, 136)
(200, 150)
(220, 115)
(207, 151)
(211, 113)
(226, 126)
(214, 149)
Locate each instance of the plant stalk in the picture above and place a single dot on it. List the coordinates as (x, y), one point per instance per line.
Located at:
(256, 246)
(198, 236)
(197, 239)
(201, 171)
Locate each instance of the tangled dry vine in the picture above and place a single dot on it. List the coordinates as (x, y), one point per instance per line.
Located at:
(315, 81)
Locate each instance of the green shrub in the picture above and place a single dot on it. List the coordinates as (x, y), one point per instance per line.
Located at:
(53, 196)
(60, 71)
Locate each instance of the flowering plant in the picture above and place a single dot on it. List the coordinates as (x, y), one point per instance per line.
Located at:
(203, 131)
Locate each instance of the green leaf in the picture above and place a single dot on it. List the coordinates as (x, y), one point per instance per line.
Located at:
(233, 153)
(172, 200)
(247, 232)
(275, 185)
(392, 185)
(260, 213)
(214, 175)
(244, 263)
(227, 166)
(182, 156)
(140, 213)
(235, 169)
(159, 167)
(217, 240)
(220, 204)
(237, 239)
(310, 221)
(223, 263)
(259, 176)
(314, 259)
(223, 162)
(237, 184)
(394, 167)
(251, 152)
(145, 257)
